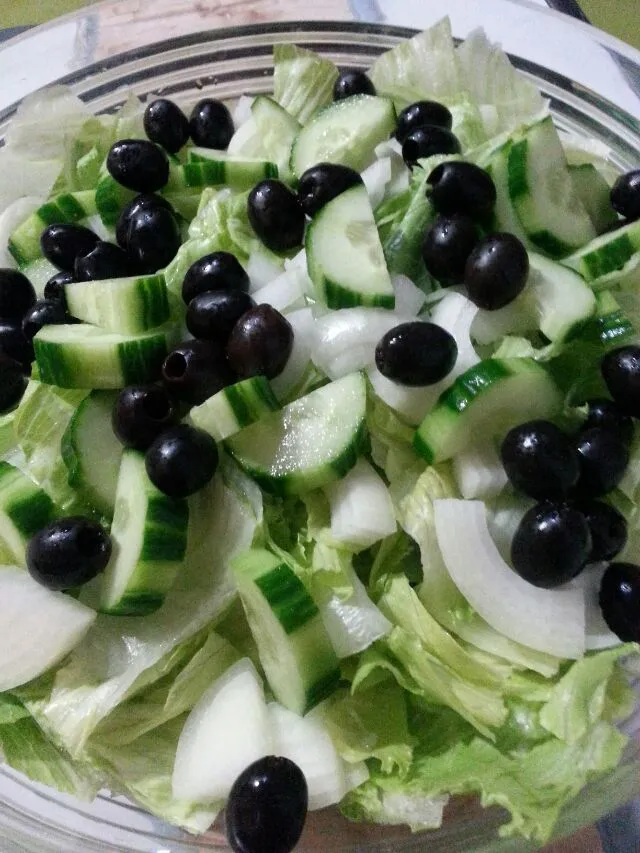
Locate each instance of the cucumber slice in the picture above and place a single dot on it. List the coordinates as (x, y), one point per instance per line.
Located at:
(563, 303)
(92, 453)
(111, 197)
(124, 305)
(310, 442)
(486, 401)
(345, 259)
(268, 135)
(504, 216)
(294, 648)
(606, 254)
(24, 243)
(24, 509)
(594, 193)
(83, 356)
(542, 192)
(208, 168)
(39, 272)
(38, 627)
(235, 407)
(149, 535)
(345, 132)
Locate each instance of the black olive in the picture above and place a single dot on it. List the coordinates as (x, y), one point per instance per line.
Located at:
(607, 415)
(138, 165)
(447, 245)
(46, 312)
(352, 82)
(540, 460)
(141, 413)
(416, 353)
(323, 182)
(105, 260)
(63, 242)
(260, 343)
(621, 372)
(496, 271)
(68, 552)
(16, 294)
(143, 200)
(14, 343)
(166, 124)
(551, 545)
(426, 141)
(13, 381)
(153, 238)
(420, 114)
(276, 215)
(608, 530)
(211, 124)
(54, 288)
(267, 807)
(620, 600)
(625, 195)
(217, 271)
(212, 315)
(196, 370)
(181, 460)
(459, 187)
(603, 461)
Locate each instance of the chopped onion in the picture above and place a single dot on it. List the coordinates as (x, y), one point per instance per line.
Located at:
(375, 178)
(244, 136)
(388, 148)
(297, 365)
(353, 625)
(346, 340)
(409, 298)
(599, 635)
(479, 472)
(551, 621)
(242, 112)
(262, 268)
(284, 293)
(361, 508)
(98, 227)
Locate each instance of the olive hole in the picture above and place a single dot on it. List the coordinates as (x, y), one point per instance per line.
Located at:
(175, 366)
(156, 407)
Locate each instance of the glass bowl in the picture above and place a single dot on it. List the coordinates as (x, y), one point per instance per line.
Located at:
(593, 83)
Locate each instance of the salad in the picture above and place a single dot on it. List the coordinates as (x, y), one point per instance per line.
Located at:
(320, 471)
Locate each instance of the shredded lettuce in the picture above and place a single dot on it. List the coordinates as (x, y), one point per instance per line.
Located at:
(302, 80)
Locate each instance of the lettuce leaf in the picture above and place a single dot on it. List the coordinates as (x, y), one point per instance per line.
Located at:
(302, 80)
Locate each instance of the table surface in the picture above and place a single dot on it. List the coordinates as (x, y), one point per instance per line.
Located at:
(618, 17)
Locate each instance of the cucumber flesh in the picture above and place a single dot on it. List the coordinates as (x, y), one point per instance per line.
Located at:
(235, 407)
(310, 442)
(345, 132)
(84, 356)
(92, 453)
(486, 401)
(268, 134)
(149, 535)
(345, 259)
(24, 509)
(124, 305)
(606, 254)
(542, 192)
(562, 303)
(294, 648)
(207, 167)
(595, 194)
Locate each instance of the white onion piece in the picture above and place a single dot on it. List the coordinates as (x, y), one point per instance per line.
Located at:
(599, 635)
(230, 721)
(409, 298)
(242, 112)
(375, 178)
(262, 269)
(298, 264)
(243, 136)
(284, 293)
(346, 340)
(412, 404)
(306, 742)
(297, 365)
(12, 216)
(479, 472)
(551, 621)
(504, 516)
(355, 624)
(361, 508)
(388, 148)
(98, 227)
(456, 313)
